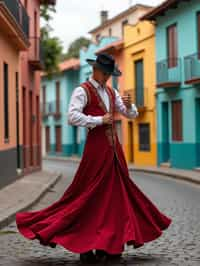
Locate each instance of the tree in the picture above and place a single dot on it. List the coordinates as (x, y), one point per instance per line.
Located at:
(75, 46)
(51, 46)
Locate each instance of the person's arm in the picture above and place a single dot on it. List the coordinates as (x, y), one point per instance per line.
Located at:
(75, 112)
(120, 107)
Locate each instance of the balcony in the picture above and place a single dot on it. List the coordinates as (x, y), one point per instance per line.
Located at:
(192, 69)
(52, 108)
(36, 55)
(14, 22)
(169, 73)
(139, 98)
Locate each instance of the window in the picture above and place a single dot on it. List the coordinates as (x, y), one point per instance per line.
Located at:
(43, 98)
(125, 22)
(144, 137)
(139, 82)
(177, 120)
(172, 48)
(198, 33)
(98, 36)
(6, 102)
(57, 97)
(26, 4)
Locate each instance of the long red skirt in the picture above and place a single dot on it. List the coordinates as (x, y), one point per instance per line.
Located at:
(104, 211)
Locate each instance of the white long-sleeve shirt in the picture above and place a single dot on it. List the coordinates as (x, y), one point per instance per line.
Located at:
(79, 100)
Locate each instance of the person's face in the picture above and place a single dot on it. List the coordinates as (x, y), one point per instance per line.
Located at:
(100, 76)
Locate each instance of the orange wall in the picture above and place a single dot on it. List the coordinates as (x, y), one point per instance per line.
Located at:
(10, 56)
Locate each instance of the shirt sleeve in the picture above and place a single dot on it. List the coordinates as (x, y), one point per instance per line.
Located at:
(121, 108)
(75, 112)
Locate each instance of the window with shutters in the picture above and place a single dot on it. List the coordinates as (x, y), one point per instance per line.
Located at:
(6, 101)
(139, 82)
(172, 47)
(177, 134)
(144, 137)
(57, 97)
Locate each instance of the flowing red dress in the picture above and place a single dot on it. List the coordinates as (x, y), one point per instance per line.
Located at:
(102, 208)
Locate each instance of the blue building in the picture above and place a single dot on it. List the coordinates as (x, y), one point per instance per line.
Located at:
(58, 137)
(178, 82)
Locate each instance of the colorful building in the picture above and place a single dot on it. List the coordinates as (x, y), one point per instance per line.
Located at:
(139, 81)
(58, 137)
(14, 36)
(178, 82)
(115, 26)
(31, 63)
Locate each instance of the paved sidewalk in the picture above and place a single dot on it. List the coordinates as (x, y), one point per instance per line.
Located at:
(23, 193)
(192, 176)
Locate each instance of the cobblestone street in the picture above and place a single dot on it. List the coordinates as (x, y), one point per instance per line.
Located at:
(179, 245)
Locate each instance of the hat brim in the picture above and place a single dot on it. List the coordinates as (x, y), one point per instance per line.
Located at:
(116, 72)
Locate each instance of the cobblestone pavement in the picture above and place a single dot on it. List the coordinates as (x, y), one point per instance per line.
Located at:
(179, 245)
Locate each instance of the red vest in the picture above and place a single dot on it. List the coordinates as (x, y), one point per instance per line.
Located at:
(102, 139)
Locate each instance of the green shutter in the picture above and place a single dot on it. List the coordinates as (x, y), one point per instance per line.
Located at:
(139, 83)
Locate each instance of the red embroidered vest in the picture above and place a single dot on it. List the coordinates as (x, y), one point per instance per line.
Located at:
(102, 138)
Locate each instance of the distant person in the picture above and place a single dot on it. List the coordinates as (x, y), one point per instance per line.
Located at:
(103, 208)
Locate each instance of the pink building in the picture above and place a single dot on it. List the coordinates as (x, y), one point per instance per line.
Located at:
(20, 65)
(31, 64)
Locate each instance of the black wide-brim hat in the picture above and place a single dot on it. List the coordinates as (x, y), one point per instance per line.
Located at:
(106, 63)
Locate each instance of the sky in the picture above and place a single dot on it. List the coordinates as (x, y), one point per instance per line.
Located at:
(76, 18)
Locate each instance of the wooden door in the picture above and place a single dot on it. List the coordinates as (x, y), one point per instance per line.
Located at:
(58, 139)
(47, 133)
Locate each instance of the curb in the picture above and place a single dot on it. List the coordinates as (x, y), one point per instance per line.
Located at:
(172, 175)
(182, 176)
(10, 218)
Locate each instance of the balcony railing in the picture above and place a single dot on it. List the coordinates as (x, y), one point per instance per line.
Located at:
(192, 69)
(36, 54)
(169, 73)
(19, 13)
(139, 97)
(51, 108)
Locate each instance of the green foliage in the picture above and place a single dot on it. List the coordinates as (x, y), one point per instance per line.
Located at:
(75, 47)
(51, 46)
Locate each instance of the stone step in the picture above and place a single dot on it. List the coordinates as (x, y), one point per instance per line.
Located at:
(166, 165)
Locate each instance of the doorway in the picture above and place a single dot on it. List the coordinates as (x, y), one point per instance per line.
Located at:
(165, 152)
(130, 142)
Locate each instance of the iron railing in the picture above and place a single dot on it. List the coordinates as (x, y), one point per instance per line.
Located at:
(139, 96)
(19, 13)
(192, 67)
(169, 71)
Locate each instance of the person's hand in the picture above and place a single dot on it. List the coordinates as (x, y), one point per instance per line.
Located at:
(107, 119)
(127, 101)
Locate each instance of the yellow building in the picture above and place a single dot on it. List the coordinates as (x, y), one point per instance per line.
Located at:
(139, 80)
